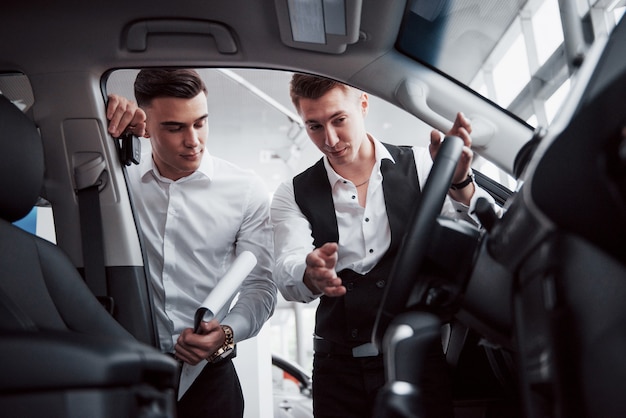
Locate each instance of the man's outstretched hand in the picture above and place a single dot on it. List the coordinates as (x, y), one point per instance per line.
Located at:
(320, 275)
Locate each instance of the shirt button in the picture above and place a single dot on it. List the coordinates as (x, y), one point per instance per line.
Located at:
(350, 286)
(353, 197)
(380, 284)
(354, 333)
(371, 250)
(367, 219)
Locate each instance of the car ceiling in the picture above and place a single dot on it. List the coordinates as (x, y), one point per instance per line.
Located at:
(78, 24)
(67, 34)
(64, 39)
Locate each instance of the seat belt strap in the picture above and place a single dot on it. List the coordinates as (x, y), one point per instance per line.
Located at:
(90, 178)
(91, 231)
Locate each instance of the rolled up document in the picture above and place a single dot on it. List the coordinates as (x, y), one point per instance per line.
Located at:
(221, 294)
(225, 289)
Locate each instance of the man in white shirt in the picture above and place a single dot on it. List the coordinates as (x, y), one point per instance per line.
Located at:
(196, 213)
(337, 228)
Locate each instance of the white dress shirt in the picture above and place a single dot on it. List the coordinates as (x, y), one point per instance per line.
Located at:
(364, 232)
(193, 229)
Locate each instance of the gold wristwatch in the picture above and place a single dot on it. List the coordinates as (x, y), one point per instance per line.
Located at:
(227, 348)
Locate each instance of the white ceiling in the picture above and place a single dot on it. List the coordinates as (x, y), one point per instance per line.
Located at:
(253, 132)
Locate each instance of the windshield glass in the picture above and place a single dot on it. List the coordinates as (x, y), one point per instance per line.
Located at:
(520, 54)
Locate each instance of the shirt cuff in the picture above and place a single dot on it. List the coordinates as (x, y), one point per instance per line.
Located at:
(298, 289)
(463, 211)
(239, 325)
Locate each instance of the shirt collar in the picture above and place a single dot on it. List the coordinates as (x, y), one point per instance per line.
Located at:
(380, 152)
(206, 169)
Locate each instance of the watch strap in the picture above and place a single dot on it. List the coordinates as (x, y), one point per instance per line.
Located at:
(464, 183)
(227, 348)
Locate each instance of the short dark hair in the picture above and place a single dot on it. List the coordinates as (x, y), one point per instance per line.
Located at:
(307, 86)
(152, 83)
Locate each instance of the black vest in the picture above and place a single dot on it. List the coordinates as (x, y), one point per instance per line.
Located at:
(349, 319)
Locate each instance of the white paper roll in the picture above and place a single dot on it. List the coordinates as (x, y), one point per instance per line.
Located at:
(229, 285)
(225, 289)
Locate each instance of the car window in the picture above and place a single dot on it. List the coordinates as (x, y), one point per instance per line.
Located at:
(253, 123)
(16, 87)
(39, 221)
(520, 61)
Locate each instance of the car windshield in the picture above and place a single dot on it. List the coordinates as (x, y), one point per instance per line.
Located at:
(522, 61)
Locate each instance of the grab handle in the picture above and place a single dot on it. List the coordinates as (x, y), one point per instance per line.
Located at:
(137, 36)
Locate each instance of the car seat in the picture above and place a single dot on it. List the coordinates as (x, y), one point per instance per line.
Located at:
(61, 353)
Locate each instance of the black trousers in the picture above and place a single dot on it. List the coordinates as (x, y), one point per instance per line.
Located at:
(347, 387)
(216, 393)
(344, 386)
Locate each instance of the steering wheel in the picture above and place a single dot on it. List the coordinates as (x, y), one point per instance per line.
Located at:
(402, 280)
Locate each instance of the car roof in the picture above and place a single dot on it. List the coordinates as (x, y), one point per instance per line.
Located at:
(74, 44)
(66, 35)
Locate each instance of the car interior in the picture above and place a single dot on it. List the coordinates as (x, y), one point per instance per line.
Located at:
(64, 352)
(529, 306)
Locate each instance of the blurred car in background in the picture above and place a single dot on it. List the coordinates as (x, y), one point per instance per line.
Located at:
(292, 389)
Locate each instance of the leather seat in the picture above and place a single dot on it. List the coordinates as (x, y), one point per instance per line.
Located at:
(61, 352)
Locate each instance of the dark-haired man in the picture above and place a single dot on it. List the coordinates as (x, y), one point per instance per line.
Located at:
(197, 213)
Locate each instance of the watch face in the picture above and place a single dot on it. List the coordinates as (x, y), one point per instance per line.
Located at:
(226, 353)
(221, 354)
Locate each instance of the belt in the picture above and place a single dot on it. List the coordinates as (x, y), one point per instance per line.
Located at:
(322, 346)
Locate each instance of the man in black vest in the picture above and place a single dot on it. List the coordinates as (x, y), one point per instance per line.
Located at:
(337, 229)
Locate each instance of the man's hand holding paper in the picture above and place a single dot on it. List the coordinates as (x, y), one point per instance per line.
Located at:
(193, 347)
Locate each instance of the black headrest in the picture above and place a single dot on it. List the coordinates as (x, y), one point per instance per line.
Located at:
(21, 162)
